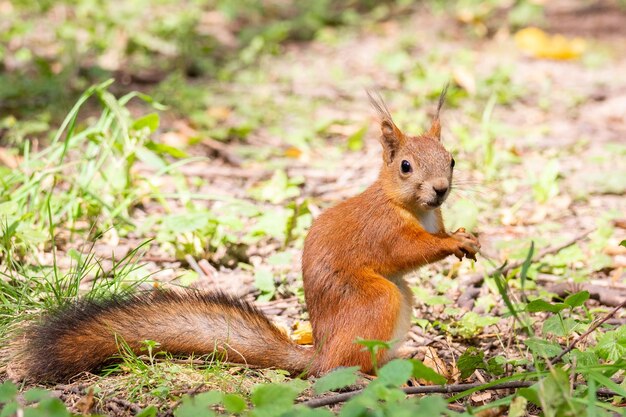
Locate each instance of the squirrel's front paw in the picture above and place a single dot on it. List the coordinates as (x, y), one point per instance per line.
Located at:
(467, 244)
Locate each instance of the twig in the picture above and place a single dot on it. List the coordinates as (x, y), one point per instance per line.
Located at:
(587, 333)
(435, 389)
(199, 270)
(126, 404)
(608, 295)
(472, 281)
(222, 151)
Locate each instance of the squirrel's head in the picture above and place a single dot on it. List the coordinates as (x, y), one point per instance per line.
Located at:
(417, 170)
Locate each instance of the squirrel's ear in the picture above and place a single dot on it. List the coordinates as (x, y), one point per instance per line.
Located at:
(392, 137)
(435, 128)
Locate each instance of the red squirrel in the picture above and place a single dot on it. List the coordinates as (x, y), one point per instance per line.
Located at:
(354, 260)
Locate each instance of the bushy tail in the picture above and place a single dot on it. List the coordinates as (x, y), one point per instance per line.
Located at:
(85, 336)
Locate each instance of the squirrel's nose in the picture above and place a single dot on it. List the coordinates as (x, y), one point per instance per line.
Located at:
(441, 191)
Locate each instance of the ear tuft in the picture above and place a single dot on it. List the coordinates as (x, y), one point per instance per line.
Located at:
(379, 105)
(391, 137)
(435, 128)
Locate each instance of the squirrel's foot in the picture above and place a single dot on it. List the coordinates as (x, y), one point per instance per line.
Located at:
(467, 244)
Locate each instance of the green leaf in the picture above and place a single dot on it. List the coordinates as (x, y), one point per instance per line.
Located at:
(36, 395)
(274, 399)
(355, 140)
(277, 189)
(432, 405)
(185, 222)
(233, 403)
(558, 326)
(48, 407)
(395, 372)
(555, 395)
(584, 359)
(531, 394)
(9, 409)
(339, 378)
(421, 371)
(518, 407)
(150, 411)
(542, 348)
(495, 365)
(151, 121)
(8, 392)
(8, 208)
(607, 382)
(198, 406)
(469, 361)
(302, 411)
(526, 265)
(578, 299)
(264, 281)
(374, 345)
(623, 243)
(280, 259)
(164, 149)
(472, 323)
(536, 306)
(612, 345)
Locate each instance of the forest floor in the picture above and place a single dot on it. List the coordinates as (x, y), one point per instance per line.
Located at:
(540, 150)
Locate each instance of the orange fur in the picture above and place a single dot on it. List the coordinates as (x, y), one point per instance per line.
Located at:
(357, 252)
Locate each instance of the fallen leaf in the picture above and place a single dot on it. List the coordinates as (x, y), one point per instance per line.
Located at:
(302, 333)
(85, 404)
(293, 152)
(539, 44)
(432, 360)
(481, 397)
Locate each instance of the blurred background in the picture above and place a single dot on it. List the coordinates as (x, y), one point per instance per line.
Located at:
(193, 142)
(169, 142)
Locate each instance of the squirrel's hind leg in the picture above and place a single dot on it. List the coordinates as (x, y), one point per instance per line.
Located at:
(375, 309)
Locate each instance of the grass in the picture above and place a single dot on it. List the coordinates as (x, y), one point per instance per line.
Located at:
(126, 170)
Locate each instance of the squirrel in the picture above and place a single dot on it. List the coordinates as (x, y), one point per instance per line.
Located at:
(354, 259)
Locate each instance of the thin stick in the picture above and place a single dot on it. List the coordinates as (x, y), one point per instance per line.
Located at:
(433, 389)
(587, 333)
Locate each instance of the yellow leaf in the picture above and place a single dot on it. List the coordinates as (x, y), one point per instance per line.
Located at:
(539, 44)
(302, 333)
(293, 152)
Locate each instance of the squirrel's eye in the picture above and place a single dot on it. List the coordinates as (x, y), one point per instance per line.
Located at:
(405, 166)
(452, 163)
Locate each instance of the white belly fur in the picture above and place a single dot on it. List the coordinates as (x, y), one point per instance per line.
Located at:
(428, 220)
(404, 316)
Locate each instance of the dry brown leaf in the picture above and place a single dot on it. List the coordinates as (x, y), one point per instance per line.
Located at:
(492, 412)
(432, 360)
(85, 404)
(481, 397)
(614, 250)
